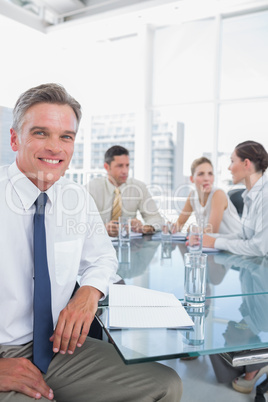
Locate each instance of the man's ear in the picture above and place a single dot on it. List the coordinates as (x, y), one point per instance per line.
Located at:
(106, 166)
(14, 140)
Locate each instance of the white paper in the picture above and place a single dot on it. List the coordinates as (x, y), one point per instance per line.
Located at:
(210, 250)
(136, 307)
(132, 236)
(135, 296)
(179, 236)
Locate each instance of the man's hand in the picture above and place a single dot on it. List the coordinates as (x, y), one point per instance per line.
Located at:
(138, 227)
(147, 229)
(75, 320)
(112, 228)
(21, 375)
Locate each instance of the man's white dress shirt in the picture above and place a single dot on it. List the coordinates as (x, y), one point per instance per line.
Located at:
(77, 244)
(135, 197)
(253, 238)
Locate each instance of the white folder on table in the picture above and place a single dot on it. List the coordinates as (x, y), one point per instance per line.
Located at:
(136, 307)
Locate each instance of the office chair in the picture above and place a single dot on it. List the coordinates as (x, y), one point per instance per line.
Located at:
(235, 196)
(260, 391)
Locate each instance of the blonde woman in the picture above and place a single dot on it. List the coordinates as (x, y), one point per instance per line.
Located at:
(211, 205)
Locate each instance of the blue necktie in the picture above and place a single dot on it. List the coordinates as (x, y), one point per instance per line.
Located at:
(43, 323)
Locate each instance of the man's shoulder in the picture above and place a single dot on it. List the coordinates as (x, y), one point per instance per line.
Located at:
(66, 184)
(3, 170)
(71, 195)
(136, 182)
(63, 181)
(4, 173)
(98, 180)
(96, 184)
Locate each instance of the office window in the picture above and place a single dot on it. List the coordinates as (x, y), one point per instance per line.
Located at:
(182, 99)
(244, 87)
(109, 130)
(183, 63)
(240, 122)
(189, 136)
(193, 105)
(244, 71)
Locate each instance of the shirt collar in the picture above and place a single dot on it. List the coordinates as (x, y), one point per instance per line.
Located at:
(24, 188)
(251, 194)
(111, 187)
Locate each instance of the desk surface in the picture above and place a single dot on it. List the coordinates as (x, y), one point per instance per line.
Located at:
(226, 324)
(159, 266)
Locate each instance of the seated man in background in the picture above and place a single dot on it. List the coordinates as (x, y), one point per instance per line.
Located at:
(117, 195)
(45, 352)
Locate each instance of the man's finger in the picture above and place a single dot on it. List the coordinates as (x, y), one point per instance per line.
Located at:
(57, 336)
(75, 336)
(84, 334)
(20, 375)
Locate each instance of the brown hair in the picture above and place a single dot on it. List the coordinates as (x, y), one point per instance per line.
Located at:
(255, 152)
(198, 162)
(116, 150)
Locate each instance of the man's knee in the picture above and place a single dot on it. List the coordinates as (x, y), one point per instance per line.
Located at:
(174, 388)
(169, 383)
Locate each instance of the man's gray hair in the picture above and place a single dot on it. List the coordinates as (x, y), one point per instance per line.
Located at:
(45, 93)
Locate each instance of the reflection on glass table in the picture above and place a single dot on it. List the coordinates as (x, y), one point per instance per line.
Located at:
(226, 324)
(197, 336)
(159, 266)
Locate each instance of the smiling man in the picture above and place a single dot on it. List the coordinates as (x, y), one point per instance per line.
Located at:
(45, 352)
(134, 195)
(45, 142)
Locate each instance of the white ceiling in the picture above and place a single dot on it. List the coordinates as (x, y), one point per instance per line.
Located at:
(45, 15)
(42, 14)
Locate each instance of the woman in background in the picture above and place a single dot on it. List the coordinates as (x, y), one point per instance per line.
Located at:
(212, 206)
(249, 161)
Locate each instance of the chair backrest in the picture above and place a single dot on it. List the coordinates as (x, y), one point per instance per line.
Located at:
(236, 198)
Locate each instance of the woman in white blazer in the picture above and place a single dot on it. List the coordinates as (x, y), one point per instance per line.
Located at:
(249, 162)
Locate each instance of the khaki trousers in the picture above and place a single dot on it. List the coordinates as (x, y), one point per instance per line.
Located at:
(96, 373)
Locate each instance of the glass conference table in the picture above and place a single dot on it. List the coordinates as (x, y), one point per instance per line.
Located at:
(234, 317)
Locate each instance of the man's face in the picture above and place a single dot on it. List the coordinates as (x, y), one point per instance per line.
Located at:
(45, 143)
(118, 170)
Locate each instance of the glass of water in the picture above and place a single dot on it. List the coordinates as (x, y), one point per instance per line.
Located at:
(195, 239)
(124, 229)
(166, 231)
(195, 278)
